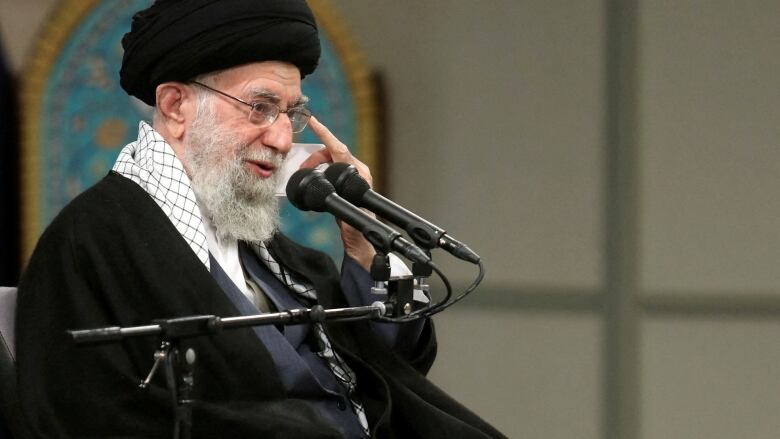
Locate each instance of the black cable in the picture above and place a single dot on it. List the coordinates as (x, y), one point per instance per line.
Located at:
(468, 290)
(434, 309)
(442, 304)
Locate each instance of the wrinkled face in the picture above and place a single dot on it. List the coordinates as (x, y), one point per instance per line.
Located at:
(233, 163)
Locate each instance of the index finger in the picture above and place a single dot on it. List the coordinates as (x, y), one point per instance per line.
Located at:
(339, 152)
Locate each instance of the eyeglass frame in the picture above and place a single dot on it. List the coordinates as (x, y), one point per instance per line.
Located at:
(299, 109)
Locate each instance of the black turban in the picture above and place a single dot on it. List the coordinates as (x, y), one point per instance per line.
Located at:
(177, 40)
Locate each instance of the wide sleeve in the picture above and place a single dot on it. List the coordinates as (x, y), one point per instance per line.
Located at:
(88, 273)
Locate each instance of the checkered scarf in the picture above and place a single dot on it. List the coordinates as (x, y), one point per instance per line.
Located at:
(152, 164)
(337, 365)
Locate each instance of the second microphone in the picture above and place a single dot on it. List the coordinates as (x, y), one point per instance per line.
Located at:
(308, 189)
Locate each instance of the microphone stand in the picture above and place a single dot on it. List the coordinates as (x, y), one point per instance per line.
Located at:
(398, 290)
(380, 272)
(421, 273)
(179, 368)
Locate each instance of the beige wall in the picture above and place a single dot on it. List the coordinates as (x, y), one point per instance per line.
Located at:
(709, 144)
(498, 117)
(19, 20)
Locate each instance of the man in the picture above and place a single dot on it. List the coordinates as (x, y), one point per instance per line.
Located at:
(186, 224)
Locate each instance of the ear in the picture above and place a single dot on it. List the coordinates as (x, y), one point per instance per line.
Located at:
(176, 103)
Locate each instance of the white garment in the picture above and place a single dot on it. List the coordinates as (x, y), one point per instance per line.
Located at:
(225, 252)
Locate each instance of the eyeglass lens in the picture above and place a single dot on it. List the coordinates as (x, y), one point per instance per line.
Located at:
(266, 113)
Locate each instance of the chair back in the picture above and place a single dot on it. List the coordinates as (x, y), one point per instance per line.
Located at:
(7, 319)
(10, 412)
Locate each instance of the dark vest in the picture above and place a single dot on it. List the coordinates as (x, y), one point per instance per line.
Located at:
(303, 372)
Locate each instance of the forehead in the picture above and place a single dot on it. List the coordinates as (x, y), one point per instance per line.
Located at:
(281, 78)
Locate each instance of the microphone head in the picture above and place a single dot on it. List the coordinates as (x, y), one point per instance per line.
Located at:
(348, 182)
(307, 190)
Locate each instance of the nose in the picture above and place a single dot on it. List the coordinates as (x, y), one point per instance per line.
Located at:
(278, 135)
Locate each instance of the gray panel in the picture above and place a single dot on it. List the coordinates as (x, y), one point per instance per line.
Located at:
(19, 20)
(534, 375)
(713, 379)
(710, 106)
(496, 112)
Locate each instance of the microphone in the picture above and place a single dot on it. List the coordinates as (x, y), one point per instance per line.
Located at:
(350, 185)
(308, 189)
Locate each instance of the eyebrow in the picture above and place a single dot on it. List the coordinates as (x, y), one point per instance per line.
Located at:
(301, 101)
(266, 94)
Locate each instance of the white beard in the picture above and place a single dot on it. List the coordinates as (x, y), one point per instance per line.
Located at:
(239, 204)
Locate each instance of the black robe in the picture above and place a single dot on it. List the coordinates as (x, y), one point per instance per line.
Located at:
(112, 258)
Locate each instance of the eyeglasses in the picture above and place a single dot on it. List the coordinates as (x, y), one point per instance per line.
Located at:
(264, 114)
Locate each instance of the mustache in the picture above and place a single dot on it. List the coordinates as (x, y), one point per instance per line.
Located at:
(246, 152)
